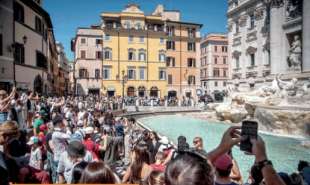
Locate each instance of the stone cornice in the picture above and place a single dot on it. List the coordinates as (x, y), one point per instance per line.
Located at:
(247, 6)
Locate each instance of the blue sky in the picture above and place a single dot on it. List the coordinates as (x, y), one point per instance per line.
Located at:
(67, 15)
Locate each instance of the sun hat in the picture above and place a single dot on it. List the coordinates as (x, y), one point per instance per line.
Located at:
(89, 130)
(223, 162)
(76, 149)
(33, 140)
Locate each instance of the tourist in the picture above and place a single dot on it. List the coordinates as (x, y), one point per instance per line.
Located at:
(155, 144)
(90, 145)
(159, 162)
(8, 165)
(198, 145)
(223, 166)
(38, 121)
(98, 173)
(77, 172)
(34, 171)
(74, 154)
(235, 174)
(156, 178)
(139, 169)
(5, 104)
(59, 137)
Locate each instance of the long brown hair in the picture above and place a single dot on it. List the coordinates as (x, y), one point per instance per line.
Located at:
(97, 173)
(9, 130)
(156, 178)
(142, 156)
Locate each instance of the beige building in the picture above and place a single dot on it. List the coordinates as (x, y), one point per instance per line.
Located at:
(214, 62)
(27, 34)
(156, 53)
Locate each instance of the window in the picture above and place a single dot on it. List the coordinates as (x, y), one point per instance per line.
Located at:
(39, 25)
(106, 72)
(83, 54)
(130, 38)
(1, 45)
(252, 58)
(83, 41)
(127, 24)
(215, 83)
(171, 45)
(83, 73)
(161, 56)
(142, 55)
(191, 62)
(97, 73)
(237, 27)
(18, 12)
(98, 41)
(170, 61)
(41, 60)
(215, 48)
(224, 60)
(216, 72)
(170, 30)
(19, 55)
(131, 74)
(225, 73)
(191, 46)
(224, 84)
(224, 49)
(252, 21)
(162, 74)
(131, 54)
(161, 40)
(98, 55)
(169, 79)
(141, 72)
(141, 39)
(107, 37)
(237, 63)
(107, 53)
(215, 59)
(138, 26)
(191, 32)
(191, 80)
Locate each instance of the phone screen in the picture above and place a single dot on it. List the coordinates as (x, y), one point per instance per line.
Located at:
(248, 132)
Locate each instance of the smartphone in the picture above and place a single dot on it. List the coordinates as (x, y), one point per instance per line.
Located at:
(248, 132)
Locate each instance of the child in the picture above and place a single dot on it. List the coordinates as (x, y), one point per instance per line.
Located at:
(34, 171)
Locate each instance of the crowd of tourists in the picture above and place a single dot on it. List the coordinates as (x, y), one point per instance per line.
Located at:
(82, 140)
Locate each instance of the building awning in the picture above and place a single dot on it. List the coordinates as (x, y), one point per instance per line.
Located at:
(111, 88)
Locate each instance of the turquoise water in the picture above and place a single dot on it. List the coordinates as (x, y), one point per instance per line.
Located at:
(284, 152)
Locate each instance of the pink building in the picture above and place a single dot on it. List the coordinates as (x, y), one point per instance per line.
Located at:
(214, 62)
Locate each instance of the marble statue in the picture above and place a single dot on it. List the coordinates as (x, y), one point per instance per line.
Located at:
(287, 88)
(294, 58)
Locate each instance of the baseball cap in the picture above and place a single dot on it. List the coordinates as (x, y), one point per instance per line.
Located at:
(224, 162)
(33, 140)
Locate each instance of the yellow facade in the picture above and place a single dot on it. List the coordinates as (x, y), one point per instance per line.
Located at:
(120, 40)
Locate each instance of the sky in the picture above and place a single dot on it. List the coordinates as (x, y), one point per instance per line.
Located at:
(68, 15)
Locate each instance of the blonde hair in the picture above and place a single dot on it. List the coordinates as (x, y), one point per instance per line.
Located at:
(9, 129)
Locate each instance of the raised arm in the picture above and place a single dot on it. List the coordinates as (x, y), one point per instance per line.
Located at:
(230, 138)
(9, 97)
(269, 173)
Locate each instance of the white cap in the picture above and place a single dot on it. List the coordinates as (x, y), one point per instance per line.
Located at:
(89, 130)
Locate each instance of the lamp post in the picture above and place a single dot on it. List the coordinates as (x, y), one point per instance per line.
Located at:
(124, 80)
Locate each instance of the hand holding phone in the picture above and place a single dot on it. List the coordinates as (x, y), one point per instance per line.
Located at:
(248, 132)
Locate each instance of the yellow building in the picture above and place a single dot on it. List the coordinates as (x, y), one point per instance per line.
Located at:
(133, 49)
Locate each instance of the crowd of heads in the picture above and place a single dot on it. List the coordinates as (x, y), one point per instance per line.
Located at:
(84, 140)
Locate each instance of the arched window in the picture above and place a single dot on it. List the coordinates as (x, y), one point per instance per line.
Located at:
(107, 53)
(142, 55)
(162, 56)
(131, 54)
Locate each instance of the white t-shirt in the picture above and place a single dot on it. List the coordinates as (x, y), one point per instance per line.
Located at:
(35, 158)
